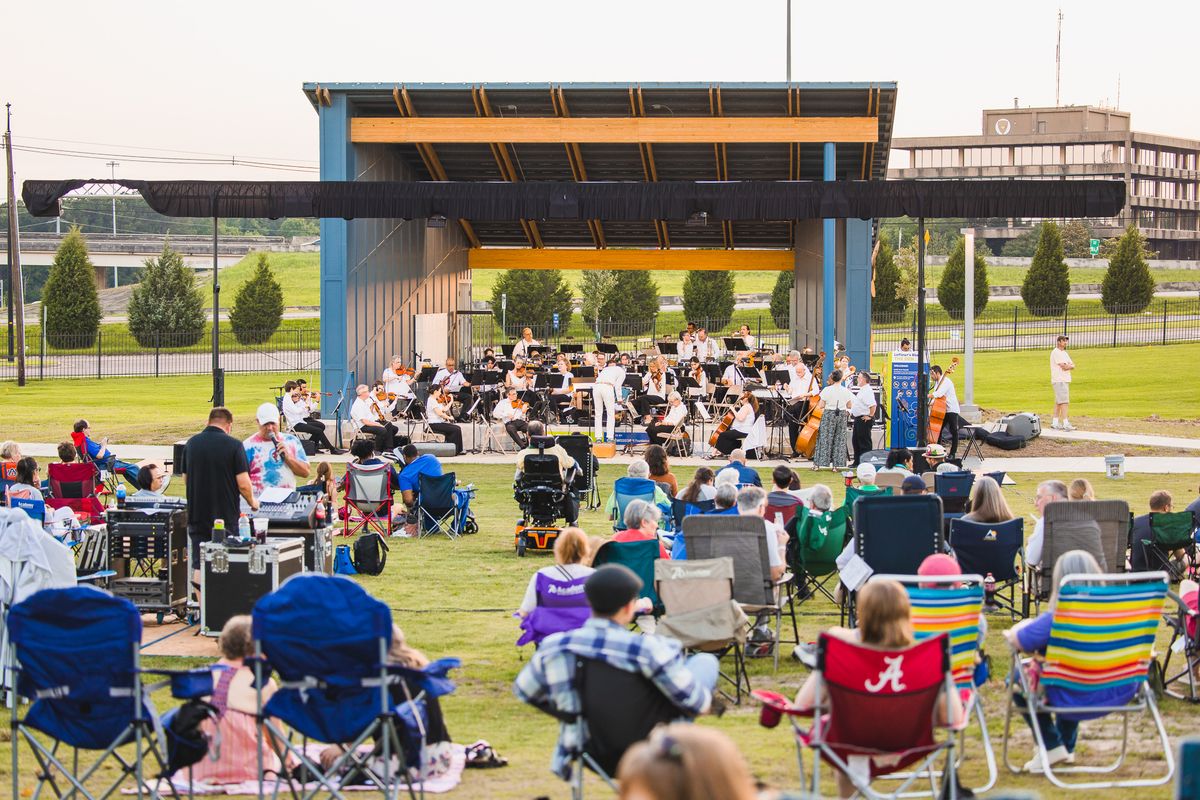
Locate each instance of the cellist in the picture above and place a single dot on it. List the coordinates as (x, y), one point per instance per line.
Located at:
(745, 412)
(802, 393)
(944, 387)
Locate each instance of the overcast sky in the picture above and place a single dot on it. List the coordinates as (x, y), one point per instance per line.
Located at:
(223, 79)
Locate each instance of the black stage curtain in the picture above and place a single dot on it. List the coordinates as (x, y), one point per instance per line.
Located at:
(609, 201)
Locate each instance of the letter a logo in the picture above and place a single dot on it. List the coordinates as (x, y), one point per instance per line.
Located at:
(892, 675)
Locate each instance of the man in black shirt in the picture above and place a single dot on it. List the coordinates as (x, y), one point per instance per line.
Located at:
(217, 472)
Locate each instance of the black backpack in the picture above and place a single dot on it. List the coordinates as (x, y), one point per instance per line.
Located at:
(370, 554)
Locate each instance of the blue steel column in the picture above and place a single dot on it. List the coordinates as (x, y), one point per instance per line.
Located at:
(337, 164)
(857, 336)
(829, 268)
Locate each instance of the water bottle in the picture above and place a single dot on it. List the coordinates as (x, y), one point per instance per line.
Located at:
(244, 528)
(218, 534)
(321, 512)
(779, 519)
(989, 589)
(120, 495)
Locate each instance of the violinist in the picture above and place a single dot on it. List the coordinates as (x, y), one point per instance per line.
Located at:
(561, 390)
(676, 411)
(397, 380)
(527, 342)
(368, 416)
(450, 379)
(654, 389)
(696, 372)
(440, 420)
(518, 377)
(298, 411)
(751, 344)
(511, 412)
(745, 413)
(733, 377)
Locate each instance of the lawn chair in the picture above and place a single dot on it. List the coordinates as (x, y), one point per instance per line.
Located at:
(895, 534)
(1170, 532)
(744, 540)
(639, 557)
(853, 493)
(101, 708)
(995, 550)
(626, 490)
(369, 495)
(33, 508)
(902, 687)
(783, 512)
(955, 490)
(562, 605)
(75, 486)
(890, 480)
(437, 506)
(328, 641)
(700, 612)
(815, 540)
(1101, 638)
(1185, 640)
(579, 447)
(8, 475)
(1099, 527)
(951, 605)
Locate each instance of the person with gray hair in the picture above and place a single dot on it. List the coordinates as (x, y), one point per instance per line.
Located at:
(1047, 492)
(752, 502)
(638, 469)
(821, 498)
(637, 483)
(641, 524)
(747, 476)
(726, 497)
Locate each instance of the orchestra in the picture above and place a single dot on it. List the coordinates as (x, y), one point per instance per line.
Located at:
(510, 412)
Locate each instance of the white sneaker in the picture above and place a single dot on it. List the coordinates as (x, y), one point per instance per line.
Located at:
(1056, 756)
(1068, 426)
(1055, 424)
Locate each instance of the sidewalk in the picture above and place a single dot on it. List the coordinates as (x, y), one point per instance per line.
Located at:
(1146, 440)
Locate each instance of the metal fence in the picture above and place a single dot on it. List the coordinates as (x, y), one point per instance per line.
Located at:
(117, 354)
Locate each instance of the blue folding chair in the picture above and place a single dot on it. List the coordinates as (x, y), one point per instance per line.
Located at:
(78, 656)
(36, 509)
(626, 490)
(995, 549)
(336, 685)
(955, 490)
(895, 534)
(437, 506)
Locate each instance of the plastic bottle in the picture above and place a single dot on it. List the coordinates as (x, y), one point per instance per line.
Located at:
(779, 519)
(218, 534)
(243, 527)
(120, 495)
(989, 588)
(321, 512)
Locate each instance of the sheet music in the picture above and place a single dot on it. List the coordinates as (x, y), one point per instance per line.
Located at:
(702, 410)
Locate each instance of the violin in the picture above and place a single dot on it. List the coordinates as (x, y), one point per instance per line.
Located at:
(384, 396)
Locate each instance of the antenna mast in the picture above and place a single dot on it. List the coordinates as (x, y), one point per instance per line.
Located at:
(1058, 63)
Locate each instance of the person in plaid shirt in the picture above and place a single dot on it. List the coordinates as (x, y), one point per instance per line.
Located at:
(549, 678)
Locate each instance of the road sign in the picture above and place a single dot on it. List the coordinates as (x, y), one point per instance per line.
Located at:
(1095, 243)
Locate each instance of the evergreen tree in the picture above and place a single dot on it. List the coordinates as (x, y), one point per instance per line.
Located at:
(165, 308)
(1077, 239)
(1128, 286)
(595, 285)
(781, 299)
(534, 295)
(1047, 284)
(72, 306)
(889, 301)
(953, 286)
(708, 298)
(631, 306)
(258, 306)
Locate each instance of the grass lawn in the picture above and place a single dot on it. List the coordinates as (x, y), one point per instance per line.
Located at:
(297, 273)
(456, 598)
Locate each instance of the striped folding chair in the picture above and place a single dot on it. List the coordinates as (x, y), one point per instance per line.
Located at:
(952, 604)
(1101, 638)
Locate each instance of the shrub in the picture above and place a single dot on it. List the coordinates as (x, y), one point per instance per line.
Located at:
(258, 306)
(534, 295)
(708, 297)
(952, 290)
(781, 299)
(1128, 285)
(633, 300)
(1047, 284)
(165, 307)
(71, 304)
(889, 301)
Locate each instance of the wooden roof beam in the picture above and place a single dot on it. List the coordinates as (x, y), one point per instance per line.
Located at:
(586, 258)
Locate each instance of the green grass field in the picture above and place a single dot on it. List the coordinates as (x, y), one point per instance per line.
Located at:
(456, 598)
(298, 273)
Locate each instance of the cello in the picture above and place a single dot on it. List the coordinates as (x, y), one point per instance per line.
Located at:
(726, 420)
(806, 439)
(937, 407)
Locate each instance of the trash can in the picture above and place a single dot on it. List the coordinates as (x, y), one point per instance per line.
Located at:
(1114, 466)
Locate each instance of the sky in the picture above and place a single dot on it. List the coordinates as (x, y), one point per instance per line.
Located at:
(220, 80)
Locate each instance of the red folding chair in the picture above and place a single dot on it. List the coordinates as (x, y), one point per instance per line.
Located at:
(75, 486)
(368, 499)
(859, 686)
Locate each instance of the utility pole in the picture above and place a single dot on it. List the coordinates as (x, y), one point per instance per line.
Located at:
(16, 294)
(789, 41)
(114, 165)
(1058, 63)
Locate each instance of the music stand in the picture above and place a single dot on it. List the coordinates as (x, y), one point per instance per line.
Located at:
(713, 371)
(506, 364)
(426, 374)
(571, 349)
(734, 344)
(810, 360)
(668, 348)
(486, 377)
(337, 421)
(506, 350)
(584, 372)
(533, 352)
(778, 376)
(607, 347)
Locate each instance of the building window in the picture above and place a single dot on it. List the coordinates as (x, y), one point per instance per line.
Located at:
(1166, 189)
(1166, 158)
(1145, 156)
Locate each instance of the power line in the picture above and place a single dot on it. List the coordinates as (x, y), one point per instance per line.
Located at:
(144, 159)
(164, 149)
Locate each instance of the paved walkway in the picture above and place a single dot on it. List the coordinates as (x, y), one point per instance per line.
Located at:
(1177, 442)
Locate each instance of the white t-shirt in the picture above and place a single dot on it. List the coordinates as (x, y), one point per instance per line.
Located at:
(733, 375)
(1057, 359)
(946, 390)
(613, 375)
(837, 398)
(707, 492)
(432, 409)
(655, 388)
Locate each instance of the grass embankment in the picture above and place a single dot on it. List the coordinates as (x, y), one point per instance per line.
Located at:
(297, 273)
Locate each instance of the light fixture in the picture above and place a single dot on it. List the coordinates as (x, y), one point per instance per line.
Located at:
(436, 221)
(662, 107)
(698, 220)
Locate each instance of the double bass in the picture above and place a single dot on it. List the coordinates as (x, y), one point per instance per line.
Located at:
(806, 439)
(937, 408)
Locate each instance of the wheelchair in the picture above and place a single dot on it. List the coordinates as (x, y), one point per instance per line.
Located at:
(539, 492)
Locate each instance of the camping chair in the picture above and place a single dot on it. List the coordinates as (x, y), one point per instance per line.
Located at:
(579, 447)
(369, 495)
(994, 549)
(902, 687)
(786, 510)
(8, 475)
(437, 506)
(815, 540)
(853, 493)
(1185, 640)
(1101, 638)
(1170, 532)
(895, 534)
(700, 612)
(890, 480)
(626, 490)
(1099, 527)
(639, 557)
(744, 540)
(75, 486)
(34, 509)
(951, 605)
(955, 490)
(561, 606)
(335, 685)
(101, 708)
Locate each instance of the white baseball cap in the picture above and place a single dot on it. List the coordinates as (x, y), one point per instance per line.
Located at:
(866, 471)
(267, 413)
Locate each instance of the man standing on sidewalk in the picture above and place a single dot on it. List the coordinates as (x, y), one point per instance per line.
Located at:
(1061, 367)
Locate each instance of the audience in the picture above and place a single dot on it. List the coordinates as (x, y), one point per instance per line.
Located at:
(1047, 492)
(987, 502)
(409, 484)
(28, 480)
(660, 469)
(1194, 507)
(725, 500)
(10, 451)
(913, 484)
(781, 495)
(700, 489)
(1081, 489)
(323, 481)
(67, 453)
(539, 442)
(899, 460)
(685, 762)
(746, 475)
(821, 499)
(572, 559)
(99, 452)
(276, 459)
(1161, 502)
(641, 524)
(152, 482)
(637, 483)
(752, 502)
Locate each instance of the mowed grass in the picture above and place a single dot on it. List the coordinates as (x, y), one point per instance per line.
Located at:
(298, 273)
(457, 599)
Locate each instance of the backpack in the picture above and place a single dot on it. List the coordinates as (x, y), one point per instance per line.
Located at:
(368, 559)
(343, 563)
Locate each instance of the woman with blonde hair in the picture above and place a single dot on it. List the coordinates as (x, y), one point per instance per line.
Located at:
(987, 502)
(572, 560)
(683, 761)
(1081, 489)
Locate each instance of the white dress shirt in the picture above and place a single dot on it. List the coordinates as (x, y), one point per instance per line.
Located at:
(733, 375)
(675, 414)
(504, 411)
(706, 349)
(613, 375)
(946, 390)
(361, 413)
(454, 380)
(295, 411)
(686, 350)
(401, 386)
(864, 402)
(521, 348)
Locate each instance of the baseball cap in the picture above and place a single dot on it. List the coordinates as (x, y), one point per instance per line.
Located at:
(913, 483)
(611, 587)
(267, 413)
(939, 564)
(866, 472)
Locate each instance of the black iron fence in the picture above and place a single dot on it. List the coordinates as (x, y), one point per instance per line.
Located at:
(115, 354)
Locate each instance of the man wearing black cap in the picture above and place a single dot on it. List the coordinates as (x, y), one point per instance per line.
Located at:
(549, 678)
(913, 484)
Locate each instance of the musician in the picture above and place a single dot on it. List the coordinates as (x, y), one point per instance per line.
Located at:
(745, 412)
(511, 412)
(705, 349)
(367, 416)
(440, 420)
(518, 377)
(676, 411)
(696, 372)
(397, 380)
(561, 390)
(453, 381)
(624, 361)
(298, 411)
(944, 387)
(387, 404)
(749, 341)
(654, 389)
(862, 412)
(275, 460)
(604, 399)
(801, 393)
(732, 377)
(686, 347)
(522, 347)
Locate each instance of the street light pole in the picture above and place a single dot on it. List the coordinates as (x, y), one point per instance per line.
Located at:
(113, 165)
(789, 41)
(968, 408)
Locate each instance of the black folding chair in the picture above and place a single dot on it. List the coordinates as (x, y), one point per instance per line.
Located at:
(895, 534)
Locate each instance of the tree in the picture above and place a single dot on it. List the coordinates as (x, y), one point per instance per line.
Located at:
(1047, 283)
(1077, 239)
(1128, 286)
(534, 295)
(258, 306)
(708, 298)
(595, 285)
(71, 304)
(906, 263)
(781, 299)
(165, 308)
(889, 303)
(1022, 246)
(632, 304)
(952, 290)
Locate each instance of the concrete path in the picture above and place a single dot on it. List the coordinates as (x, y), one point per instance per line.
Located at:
(1178, 442)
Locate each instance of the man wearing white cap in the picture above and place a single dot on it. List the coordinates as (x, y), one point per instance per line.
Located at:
(275, 459)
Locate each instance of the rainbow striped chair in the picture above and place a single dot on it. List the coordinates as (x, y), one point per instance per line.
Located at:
(952, 604)
(1101, 638)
